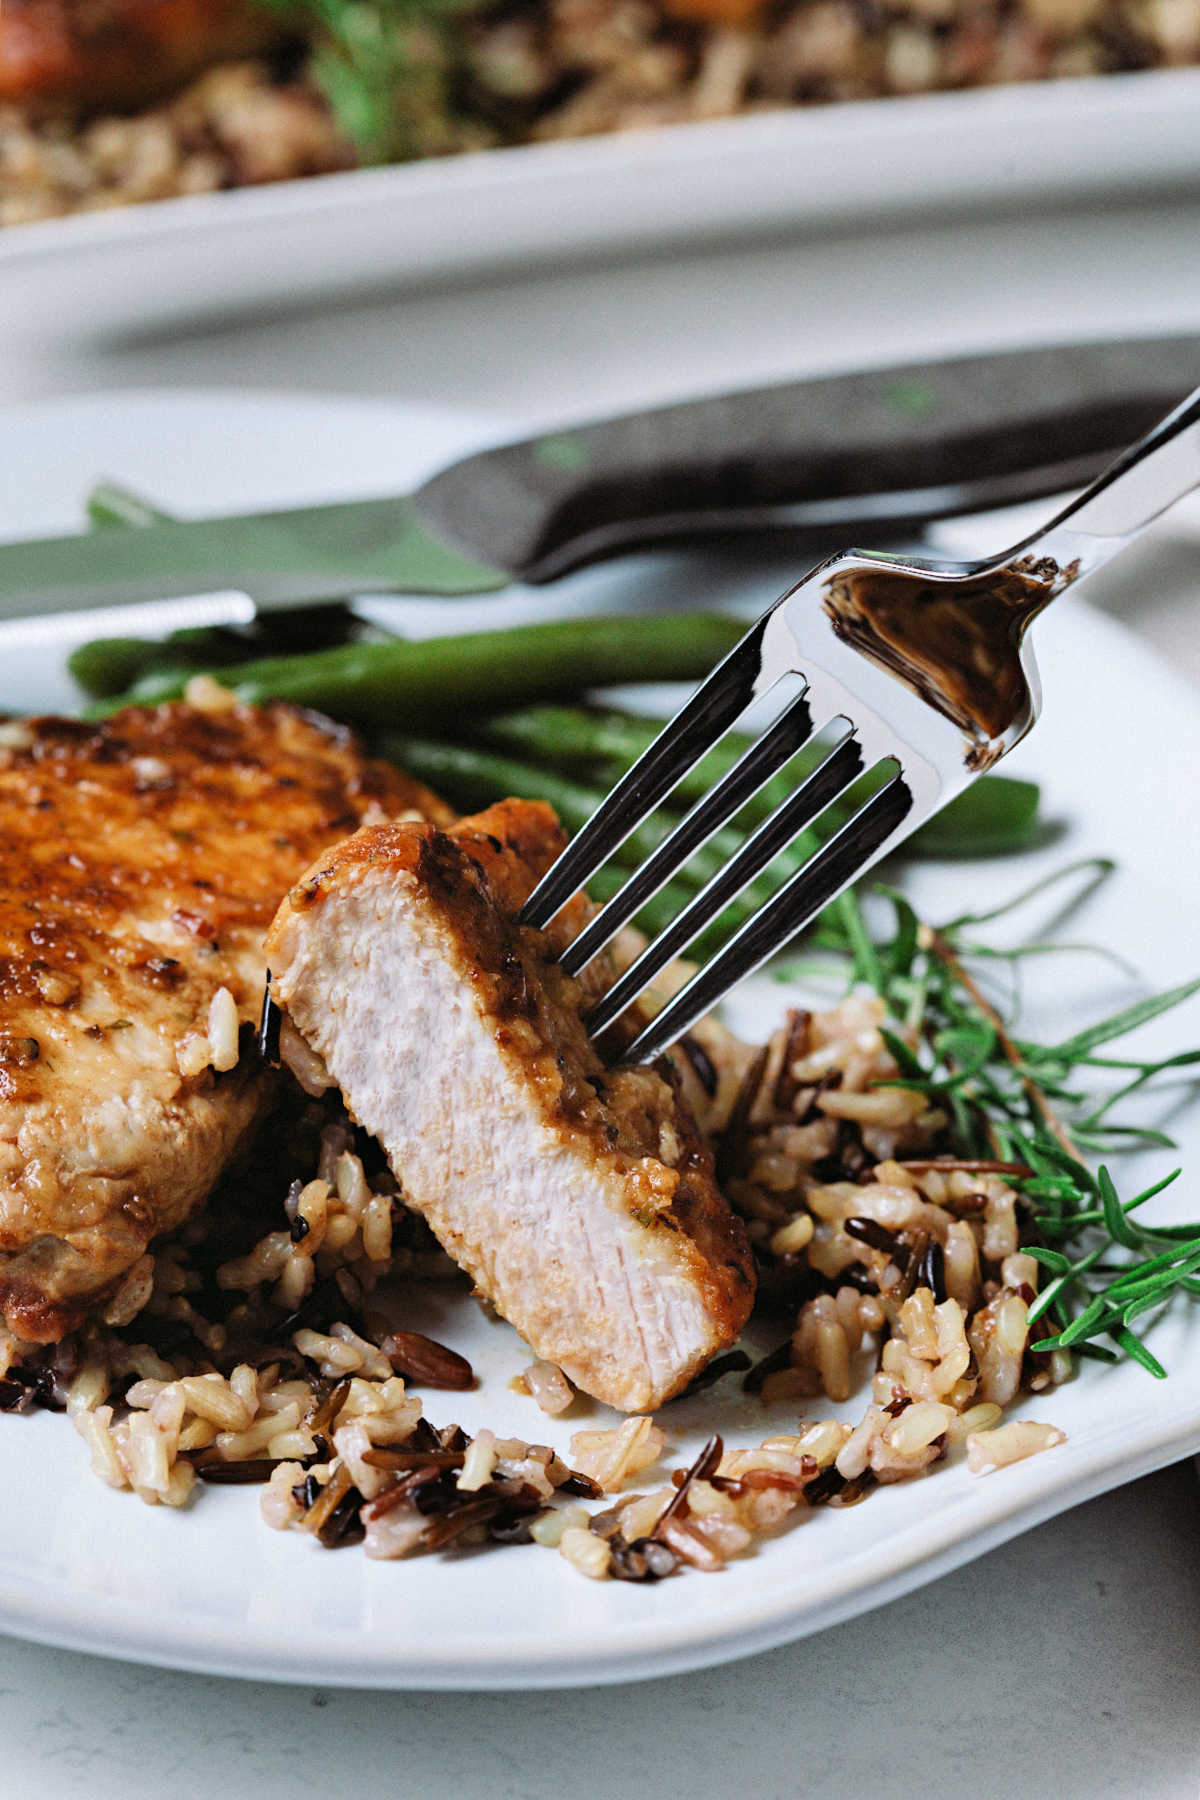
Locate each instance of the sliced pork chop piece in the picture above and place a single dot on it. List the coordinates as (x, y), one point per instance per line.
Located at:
(140, 863)
(581, 1199)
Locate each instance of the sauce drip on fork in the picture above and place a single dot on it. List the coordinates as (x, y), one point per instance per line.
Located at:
(957, 646)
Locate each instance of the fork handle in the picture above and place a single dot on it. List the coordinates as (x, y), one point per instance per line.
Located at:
(1143, 482)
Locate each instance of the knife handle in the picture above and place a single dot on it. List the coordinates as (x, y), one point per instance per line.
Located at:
(896, 445)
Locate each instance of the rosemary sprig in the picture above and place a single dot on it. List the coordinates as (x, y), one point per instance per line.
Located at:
(1034, 1108)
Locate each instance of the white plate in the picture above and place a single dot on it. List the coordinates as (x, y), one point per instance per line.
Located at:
(212, 1588)
(149, 266)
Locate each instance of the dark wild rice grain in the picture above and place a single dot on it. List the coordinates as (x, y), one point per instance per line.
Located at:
(425, 1361)
(235, 1474)
(775, 1360)
(733, 1362)
(932, 1272)
(701, 1063)
(869, 1231)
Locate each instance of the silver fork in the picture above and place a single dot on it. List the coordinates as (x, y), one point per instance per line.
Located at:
(922, 668)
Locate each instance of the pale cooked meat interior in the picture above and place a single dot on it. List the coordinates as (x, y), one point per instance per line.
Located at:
(581, 1199)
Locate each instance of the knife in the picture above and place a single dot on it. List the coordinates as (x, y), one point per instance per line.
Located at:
(890, 448)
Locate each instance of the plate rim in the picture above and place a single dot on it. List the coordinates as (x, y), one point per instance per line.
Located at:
(250, 1653)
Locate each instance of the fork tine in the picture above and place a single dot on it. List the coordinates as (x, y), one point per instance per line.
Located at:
(847, 855)
(829, 779)
(764, 758)
(696, 728)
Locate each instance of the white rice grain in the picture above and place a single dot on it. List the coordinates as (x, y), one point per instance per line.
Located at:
(549, 1387)
(609, 1457)
(585, 1552)
(988, 1451)
(223, 1030)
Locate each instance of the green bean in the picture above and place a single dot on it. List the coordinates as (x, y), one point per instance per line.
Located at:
(111, 504)
(572, 734)
(998, 813)
(658, 911)
(611, 740)
(106, 668)
(447, 679)
(607, 742)
(577, 736)
(475, 778)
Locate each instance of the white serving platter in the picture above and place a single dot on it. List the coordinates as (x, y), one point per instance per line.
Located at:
(778, 174)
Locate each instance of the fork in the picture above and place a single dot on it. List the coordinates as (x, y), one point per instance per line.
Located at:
(920, 668)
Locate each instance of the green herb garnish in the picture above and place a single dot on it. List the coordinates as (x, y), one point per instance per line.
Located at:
(1037, 1109)
(387, 69)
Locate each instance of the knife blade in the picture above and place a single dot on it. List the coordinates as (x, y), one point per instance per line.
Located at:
(891, 447)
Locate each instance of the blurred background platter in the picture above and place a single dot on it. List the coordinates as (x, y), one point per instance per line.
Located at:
(758, 176)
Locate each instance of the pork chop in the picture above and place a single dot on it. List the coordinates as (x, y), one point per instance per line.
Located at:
(580, 1198)
(140, 862)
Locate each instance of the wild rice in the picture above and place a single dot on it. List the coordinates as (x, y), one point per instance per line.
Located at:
(422, 1359)
(253, 1348)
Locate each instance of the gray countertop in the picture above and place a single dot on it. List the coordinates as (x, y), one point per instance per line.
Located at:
(1065, 1663)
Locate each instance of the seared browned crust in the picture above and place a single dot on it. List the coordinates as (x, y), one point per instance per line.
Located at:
(512, 844)
(472, 880)
(92, 54)
(140, 861)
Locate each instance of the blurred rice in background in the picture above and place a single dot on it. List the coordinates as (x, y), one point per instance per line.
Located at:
(111, 102)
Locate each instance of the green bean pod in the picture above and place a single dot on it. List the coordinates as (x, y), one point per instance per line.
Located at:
(448, 680)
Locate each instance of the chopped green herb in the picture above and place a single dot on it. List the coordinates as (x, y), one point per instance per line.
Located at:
(387, 69)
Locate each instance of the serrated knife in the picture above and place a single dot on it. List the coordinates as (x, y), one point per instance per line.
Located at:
(834, 455)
